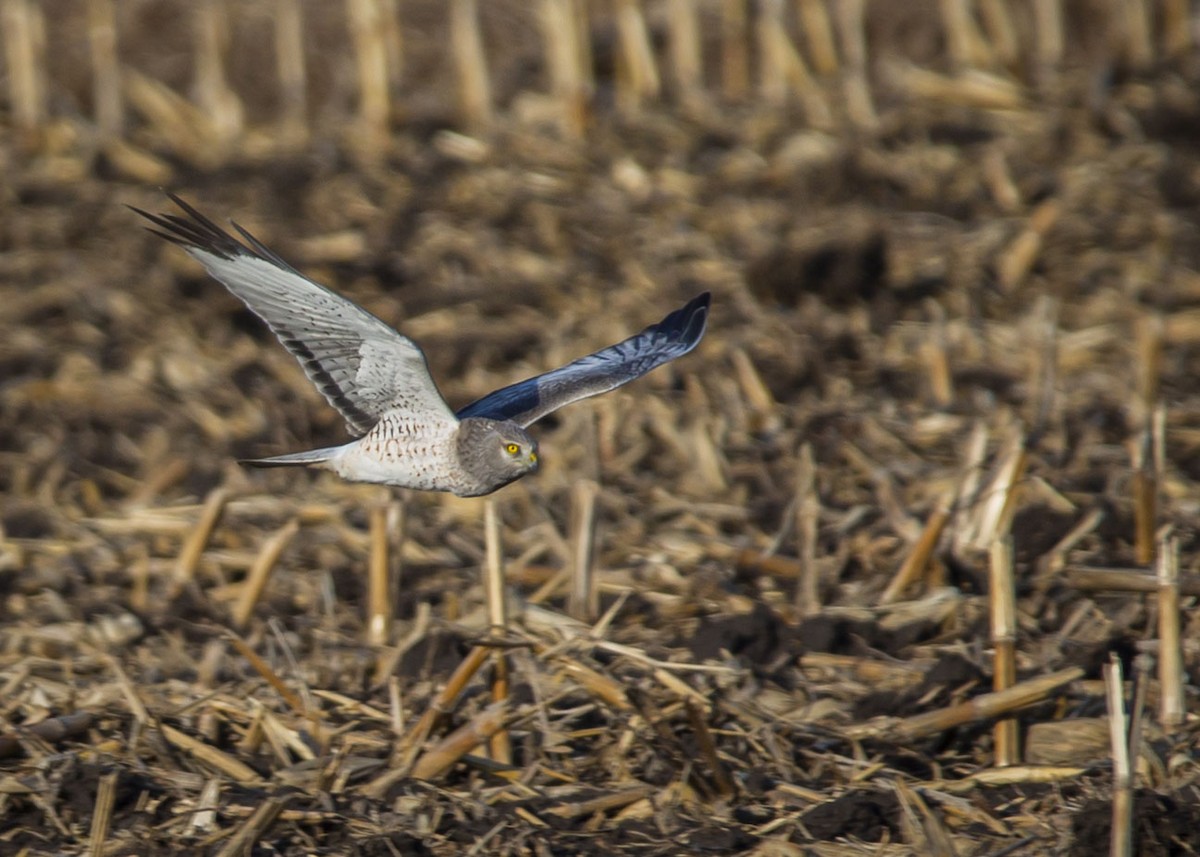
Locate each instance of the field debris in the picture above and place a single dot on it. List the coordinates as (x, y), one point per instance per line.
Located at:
(902, 560)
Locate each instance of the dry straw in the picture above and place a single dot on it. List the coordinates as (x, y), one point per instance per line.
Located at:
(565, 62)
(1088, 579)
(723, 784)
(496, 596)
(197, 540)
(255, 827)
(1177, 31)
(370, 54)
(684, 47)
(1002, 600)
(585, 591)
(981, 39)
(106, 796)
(818, 32)
(478, 730)
(1170, 654)
(735, 58)
(474, 83)
(1146, 446)
(411, 743)
(1122, 800)
(934, 350)
(850, 18)
(24, 51)
(221, 106)
(1131, 25)
(293, 71)
(260, 572)
(387, 522)
(965, 44)
(808, 511)
(983, 707)
(1048, 40)
(1001, 32)
(919, 557)
(1019, 257)
(784, 72)
(106, 70)
(637, 71)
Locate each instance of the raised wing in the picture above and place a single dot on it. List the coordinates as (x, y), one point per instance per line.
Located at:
(528, 401)
(361, 365)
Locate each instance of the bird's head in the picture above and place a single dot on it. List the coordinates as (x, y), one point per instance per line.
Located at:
(495, 452)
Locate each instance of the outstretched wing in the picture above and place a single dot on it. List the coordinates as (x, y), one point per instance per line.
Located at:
(528, 401)
(361, 365)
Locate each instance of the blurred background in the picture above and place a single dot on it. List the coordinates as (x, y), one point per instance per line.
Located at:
(953, 251)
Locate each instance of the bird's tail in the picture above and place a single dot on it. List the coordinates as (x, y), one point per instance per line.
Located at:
(309, 457)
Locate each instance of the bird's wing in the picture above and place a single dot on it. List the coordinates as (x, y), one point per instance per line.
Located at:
(528, 401)
(360, 364)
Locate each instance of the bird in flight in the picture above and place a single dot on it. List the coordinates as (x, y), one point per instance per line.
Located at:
(378, 379)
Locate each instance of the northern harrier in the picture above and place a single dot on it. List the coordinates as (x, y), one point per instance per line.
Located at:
(380, 383)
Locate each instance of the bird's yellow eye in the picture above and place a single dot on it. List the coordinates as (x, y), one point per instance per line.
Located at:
(512, 449)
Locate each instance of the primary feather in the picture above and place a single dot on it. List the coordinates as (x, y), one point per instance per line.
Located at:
(360, 364)
(528, 401)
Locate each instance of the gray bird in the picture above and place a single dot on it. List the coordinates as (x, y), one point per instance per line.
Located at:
(380, 383)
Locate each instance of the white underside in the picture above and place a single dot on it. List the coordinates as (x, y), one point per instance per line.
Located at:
(399, 459)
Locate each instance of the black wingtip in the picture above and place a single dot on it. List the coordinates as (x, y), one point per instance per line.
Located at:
(688, 323)
(697, 311)
(194, 231)
(699, 306)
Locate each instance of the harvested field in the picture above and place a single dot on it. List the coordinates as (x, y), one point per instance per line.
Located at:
(880, 568)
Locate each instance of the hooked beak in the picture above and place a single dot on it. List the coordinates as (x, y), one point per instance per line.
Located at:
(533, 459)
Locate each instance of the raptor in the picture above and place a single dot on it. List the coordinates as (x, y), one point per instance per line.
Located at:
(378, 379)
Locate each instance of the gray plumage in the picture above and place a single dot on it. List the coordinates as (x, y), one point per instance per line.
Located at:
(379, 380)
(528, 401)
